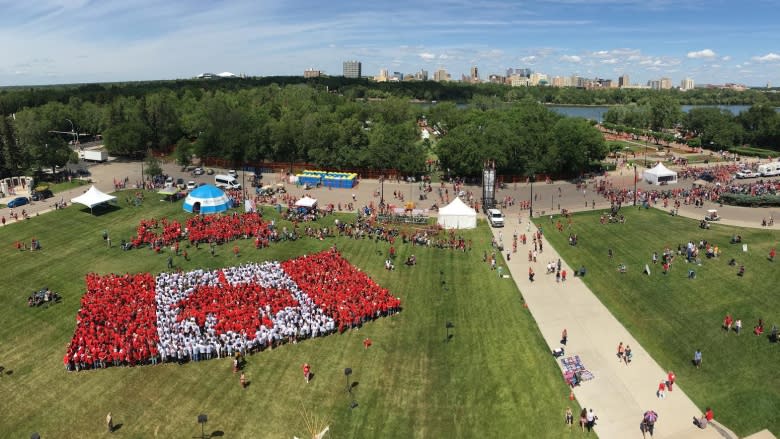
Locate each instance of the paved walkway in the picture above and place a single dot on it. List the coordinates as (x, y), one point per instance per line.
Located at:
(619, 394)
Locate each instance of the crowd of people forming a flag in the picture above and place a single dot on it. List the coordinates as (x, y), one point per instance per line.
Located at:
(136, 319)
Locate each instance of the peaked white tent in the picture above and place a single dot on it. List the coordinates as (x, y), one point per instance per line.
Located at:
(93, 197)
(660, 174)
(457, 215)
(306, 202)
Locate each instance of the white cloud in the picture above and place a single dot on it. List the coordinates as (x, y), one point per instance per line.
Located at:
(769, 57)
(706, 53)
(726, 58)
(427, 56)
(571, 58)
(529, 58)
(609, 61)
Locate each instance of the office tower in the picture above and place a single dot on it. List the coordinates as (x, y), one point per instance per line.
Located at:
(352, 69)
(474, 74)
(623, 81)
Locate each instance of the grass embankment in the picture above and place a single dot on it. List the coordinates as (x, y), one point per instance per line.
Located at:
(673, 316)
(495, 378)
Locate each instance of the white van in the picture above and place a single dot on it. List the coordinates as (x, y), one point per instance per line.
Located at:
(769, 169)
(495, 217)
(226, 182)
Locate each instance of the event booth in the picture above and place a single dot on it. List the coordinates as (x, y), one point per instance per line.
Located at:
(660, 174)
(207, 199)
(306, 203)
(93, 197)
(457, 215)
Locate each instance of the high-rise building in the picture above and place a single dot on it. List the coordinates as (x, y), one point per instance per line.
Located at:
(422, 75)
(474, 74)
(441, 75)
(686, 84)
(352, 69)
(525, 73)
(666, 83)
(623, 81)
(311, 73)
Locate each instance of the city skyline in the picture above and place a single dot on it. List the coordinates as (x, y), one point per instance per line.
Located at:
(74, 41)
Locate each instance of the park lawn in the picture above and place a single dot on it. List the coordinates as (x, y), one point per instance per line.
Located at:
(672, 316)
(495, 378)
(65, 185)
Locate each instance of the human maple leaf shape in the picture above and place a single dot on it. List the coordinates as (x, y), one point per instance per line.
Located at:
(240, 308)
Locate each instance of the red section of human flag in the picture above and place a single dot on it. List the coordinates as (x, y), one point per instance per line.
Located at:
(116, 321)
(235, 307)
(339, 289)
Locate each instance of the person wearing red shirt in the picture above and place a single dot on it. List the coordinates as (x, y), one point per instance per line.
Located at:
(306, 372)
(661, 390)
(670, 380)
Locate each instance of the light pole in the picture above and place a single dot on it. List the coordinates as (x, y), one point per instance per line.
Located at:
(72, 131)
(533, 177)
(382, 193)
(647, 134)
(635, 184)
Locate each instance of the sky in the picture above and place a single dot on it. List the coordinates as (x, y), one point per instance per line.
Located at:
(79, 41)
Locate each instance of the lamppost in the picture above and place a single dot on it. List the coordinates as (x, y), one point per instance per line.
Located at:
(634, 184)
(533, 177)
(72, 131)
(382, 192)
(647, 134)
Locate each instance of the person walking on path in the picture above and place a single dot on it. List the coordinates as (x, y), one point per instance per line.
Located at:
(564, 337)
(627, 355)
(620, 352)
(670, 378)
(648, 422)
(110, 422)
(661, 390)
(697, 359)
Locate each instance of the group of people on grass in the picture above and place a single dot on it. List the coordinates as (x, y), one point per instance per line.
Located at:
(202, 314)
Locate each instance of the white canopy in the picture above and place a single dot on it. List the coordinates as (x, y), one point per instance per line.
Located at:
(457, 215)
(93, 197)
(307, 202)
(660, 174)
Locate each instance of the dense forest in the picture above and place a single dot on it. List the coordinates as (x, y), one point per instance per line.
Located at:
(339, 123)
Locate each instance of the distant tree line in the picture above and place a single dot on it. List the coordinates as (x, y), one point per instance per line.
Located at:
(304, 123)
(758, 126)
(13, 99)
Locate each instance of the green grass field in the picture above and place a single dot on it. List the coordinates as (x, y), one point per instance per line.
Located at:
(672, 316)
(495, 378)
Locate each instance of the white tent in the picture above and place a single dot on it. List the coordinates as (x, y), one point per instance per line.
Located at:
(93, 197)
(660, 174)
(306, 202)
(457, 215)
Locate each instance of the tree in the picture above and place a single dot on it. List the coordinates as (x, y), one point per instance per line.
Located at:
(152, 165)
(183, 152)
(665, 112)
(575, 144)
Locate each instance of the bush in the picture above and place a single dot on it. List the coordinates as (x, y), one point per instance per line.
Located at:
(750, 200)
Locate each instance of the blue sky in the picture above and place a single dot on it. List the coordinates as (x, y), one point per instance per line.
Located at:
(711, 41)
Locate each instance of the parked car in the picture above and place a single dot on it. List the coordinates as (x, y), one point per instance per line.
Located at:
(746, 173)
(198, 171)
(180, 183)
(495, 217)
(191, 185)
(18, 201)
(233, 173)
(41, 195)
(210, 171)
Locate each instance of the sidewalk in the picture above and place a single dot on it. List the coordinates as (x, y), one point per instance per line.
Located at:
(618, 394)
